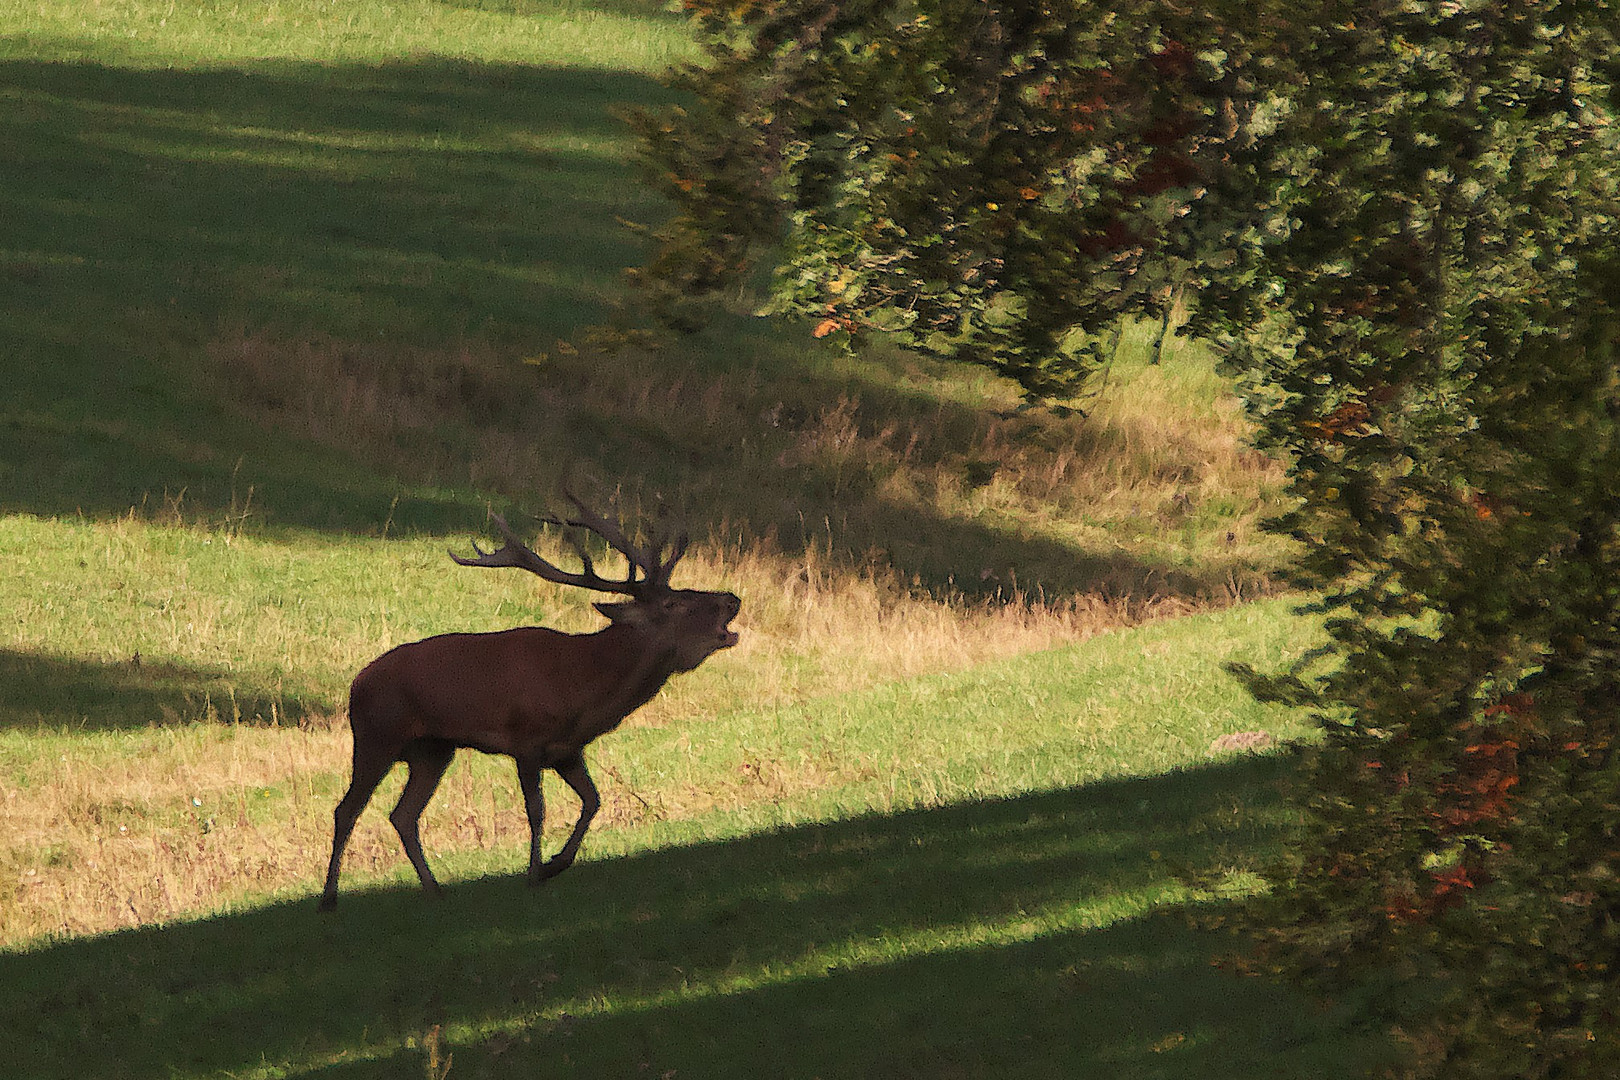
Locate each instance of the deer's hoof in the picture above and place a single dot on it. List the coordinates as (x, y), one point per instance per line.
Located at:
(545, 873)
(328, 903)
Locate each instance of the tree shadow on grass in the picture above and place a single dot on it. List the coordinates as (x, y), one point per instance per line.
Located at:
(164, 230)
(57, 693)
(842, 461)
(1019, 937)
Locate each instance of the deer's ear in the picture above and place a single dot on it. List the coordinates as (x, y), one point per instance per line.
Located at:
(630, 612)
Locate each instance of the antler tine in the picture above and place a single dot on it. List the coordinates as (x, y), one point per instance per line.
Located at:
(667, 566)
(631, 586)
(610, 530)
(515, 553)
(674, 557)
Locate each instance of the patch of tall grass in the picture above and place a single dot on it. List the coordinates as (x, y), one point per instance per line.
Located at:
(1154, 494)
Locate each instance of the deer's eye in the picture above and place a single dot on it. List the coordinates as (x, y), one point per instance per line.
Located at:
(670, 604)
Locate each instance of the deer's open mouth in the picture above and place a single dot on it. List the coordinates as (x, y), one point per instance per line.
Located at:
(728, 636)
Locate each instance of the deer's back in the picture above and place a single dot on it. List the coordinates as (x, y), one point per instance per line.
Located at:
(506, 692)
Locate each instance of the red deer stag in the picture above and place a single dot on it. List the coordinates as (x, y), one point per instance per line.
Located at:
(536, 695)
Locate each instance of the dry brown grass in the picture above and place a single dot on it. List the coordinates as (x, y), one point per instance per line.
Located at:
(931, 474)
(109, 834)
(183, 820)
(174, 821)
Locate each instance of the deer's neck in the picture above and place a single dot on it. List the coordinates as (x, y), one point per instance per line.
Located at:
(643, 671)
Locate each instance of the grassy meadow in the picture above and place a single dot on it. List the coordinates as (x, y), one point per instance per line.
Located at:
(293, 293)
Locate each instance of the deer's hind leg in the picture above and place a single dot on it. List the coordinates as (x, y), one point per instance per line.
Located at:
(370, 766)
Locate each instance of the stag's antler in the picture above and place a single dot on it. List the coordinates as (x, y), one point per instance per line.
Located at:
(515, 553)
(649, 561)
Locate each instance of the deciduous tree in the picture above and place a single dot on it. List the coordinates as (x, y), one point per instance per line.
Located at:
(1402, 223)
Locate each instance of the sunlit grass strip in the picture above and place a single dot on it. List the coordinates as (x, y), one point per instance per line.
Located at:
(298, 615)
(557, 33)
(860, 952)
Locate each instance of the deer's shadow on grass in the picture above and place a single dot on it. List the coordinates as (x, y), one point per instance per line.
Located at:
(940, 942)
(68, 694)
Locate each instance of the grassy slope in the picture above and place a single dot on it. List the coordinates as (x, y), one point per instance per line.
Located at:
(289, 298)
(965, 941)
(973, 871)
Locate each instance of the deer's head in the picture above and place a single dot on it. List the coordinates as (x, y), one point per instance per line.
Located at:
(688, 624)
(691, 624)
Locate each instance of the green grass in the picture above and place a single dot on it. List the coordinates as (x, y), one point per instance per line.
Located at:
(987, 880)
(127, 625)
(128, 756)
(608, 35)
(177, 176)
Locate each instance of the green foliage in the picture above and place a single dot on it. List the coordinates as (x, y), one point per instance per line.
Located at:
(1401, 220)
(910, 165)
(1447, 389)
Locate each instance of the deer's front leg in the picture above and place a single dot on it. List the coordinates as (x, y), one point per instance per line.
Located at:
(534, 805)
(574, 774)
